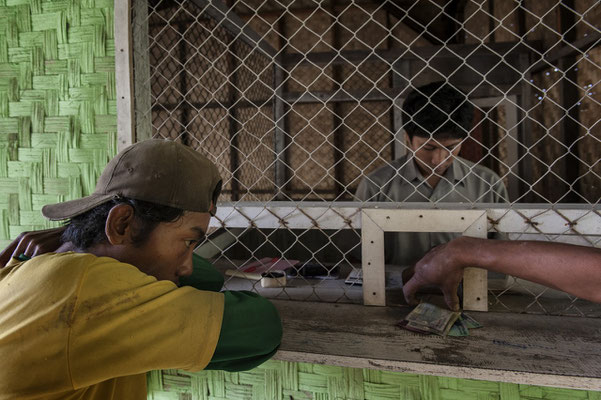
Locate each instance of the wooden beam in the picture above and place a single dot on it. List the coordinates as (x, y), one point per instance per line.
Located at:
(562, 219)
(506, 49)
(124, 74)
(388, 94)
(570, 123)
(580, 46)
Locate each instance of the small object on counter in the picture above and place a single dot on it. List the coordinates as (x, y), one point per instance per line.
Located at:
(314, 271)
(268, 279)
(273, 279)
(355, 277)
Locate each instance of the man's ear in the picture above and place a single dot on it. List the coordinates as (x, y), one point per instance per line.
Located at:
(119, 224)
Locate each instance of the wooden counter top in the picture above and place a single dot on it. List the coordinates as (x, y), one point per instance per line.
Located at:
(517, 348)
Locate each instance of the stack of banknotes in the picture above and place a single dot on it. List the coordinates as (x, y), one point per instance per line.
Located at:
(428, 318)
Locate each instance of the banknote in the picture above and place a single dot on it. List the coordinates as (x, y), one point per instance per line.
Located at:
(430, 318)
(459, 328)
(470, 322)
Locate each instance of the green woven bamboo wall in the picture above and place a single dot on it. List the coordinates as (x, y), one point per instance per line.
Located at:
(278, 380)
(58, 130)
(57, 105)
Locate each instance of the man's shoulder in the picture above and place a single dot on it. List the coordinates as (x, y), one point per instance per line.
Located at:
(62, 265)
(81, 267)
(387, 171)
(72, 260)
(470, 168)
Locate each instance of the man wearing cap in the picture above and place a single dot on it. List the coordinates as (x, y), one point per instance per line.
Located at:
(88, 321)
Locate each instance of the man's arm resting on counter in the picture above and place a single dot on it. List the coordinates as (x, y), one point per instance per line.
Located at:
(570, 268)
(251, 330)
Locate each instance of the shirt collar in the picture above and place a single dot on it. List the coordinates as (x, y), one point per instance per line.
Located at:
(455, 173)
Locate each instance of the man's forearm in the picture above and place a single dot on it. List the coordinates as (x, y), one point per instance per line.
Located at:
(570, 268)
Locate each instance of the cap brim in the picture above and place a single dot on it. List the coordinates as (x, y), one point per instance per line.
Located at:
(70, 209)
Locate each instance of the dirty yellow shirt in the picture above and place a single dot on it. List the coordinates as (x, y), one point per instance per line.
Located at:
(77, 326)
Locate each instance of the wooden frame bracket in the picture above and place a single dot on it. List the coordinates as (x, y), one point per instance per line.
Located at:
(374, 222)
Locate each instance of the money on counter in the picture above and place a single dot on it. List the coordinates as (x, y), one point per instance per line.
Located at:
(428, 318)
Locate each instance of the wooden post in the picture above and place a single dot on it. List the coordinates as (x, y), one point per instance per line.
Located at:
(279, 142)
(400, 75)
(124, 74)
(142, 84)
(475, 280)
(372, 259)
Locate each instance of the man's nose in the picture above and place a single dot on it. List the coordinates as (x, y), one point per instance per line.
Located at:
(440, 156)
(186, 268)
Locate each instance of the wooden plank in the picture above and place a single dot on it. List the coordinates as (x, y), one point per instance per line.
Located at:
(516, 348)
(342, 95)
(511, 126)
(142, 85)
(345, 215)
(372, 259)
(526, 164)
(428, 220)
(475, 280)
(287, 216)
(400, 80)
(581, 46)
(570, 127)
(279, 142)
(356, 57)
(124, 74)
(548, 221)
(480, 95)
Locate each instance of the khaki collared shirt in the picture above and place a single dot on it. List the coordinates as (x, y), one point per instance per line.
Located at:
(401, 181)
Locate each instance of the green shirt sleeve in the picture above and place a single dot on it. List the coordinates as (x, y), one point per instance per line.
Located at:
(204, 276)
(251, 330)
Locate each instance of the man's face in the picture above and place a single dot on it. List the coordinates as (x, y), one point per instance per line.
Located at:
(167, 254)
(433, 155)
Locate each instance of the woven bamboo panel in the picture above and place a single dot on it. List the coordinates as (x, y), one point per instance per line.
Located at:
(279, 380)
(57, 105)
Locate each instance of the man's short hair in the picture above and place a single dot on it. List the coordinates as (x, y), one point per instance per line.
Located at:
(88, 229)
(437, 110)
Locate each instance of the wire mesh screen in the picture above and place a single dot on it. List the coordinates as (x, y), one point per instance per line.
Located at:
(310, 101)
(211, 91)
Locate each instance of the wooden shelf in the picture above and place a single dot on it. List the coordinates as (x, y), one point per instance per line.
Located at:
(517, 348)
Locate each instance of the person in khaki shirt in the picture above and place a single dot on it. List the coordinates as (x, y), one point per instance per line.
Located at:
(438, 118)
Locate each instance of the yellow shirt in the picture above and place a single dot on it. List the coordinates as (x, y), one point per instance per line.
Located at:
(77, 326)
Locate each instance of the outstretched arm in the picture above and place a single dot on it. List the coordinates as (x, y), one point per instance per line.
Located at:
(570, 268)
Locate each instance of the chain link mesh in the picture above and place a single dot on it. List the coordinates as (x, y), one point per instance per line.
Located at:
(300, 101)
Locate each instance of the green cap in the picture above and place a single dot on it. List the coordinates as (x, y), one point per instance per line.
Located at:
(158, 171)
